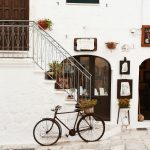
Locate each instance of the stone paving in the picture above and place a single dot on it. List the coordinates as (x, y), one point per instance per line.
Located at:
(126, 140)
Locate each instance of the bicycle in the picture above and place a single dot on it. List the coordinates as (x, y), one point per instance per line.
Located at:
(90, 127)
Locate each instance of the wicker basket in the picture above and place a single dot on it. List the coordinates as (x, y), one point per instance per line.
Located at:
(88, 110)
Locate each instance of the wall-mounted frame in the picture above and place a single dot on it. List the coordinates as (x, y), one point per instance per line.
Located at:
(124, 88)
(83, 1)
(145, 38)
(124, 66)
(85, 44)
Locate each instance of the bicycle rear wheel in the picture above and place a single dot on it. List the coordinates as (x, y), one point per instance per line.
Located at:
(46, 132)
(91, 128)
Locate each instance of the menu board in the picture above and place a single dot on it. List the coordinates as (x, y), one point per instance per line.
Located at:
(85, 44)
(145, 41)
(83, 1)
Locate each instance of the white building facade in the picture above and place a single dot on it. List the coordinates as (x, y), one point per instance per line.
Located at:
(108, 21)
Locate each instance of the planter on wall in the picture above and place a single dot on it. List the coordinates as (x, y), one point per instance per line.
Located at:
(45, 24)
(111, 45)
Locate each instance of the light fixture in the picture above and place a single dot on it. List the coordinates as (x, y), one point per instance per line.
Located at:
(125, 47)
(133, 30)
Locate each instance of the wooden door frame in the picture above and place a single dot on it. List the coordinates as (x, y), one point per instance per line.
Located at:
(92, 71)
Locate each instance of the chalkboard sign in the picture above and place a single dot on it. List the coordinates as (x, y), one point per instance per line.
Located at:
(145, 36)
(83, 1)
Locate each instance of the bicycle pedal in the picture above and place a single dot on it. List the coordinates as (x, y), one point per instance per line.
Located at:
(67, 135)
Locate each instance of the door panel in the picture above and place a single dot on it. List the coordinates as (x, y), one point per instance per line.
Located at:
(7, 9)
(14, 38)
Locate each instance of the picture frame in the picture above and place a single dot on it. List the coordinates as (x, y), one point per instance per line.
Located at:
(85, 44)
(124, 66)
(124, 88)
(145, 38)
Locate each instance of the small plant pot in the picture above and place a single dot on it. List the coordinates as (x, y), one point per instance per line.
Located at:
(111, 45)
(49, 75)
(140, 117)
(44, 24)
(70, 97)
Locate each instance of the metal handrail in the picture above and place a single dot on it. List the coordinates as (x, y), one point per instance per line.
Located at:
(48, 35)
(57, 49)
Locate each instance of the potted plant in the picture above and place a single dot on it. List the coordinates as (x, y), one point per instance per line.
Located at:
(124, 103)
(55, 70)
(70, 94)
(111, 45)
(45, 24)
(87, 105)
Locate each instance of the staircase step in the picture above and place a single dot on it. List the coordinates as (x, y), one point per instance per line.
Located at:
(16, 62)
(70, 102)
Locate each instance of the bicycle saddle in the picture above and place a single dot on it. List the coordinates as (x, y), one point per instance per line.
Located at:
(58, 107)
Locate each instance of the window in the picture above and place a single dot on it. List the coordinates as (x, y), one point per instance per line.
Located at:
(83, 1)
(101, 77)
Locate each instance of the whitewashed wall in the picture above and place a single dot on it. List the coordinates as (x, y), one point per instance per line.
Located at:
(111, 23)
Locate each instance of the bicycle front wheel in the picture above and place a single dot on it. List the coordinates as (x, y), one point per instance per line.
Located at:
(91, 128)
(46, 132)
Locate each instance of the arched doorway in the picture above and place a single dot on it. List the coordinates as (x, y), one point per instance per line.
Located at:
(101, 82)
(144, 89)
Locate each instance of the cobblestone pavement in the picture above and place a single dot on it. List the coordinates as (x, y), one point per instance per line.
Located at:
(126, 140)
(135, 139)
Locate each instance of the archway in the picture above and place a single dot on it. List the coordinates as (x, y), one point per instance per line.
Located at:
(101, 82)
(144, 89)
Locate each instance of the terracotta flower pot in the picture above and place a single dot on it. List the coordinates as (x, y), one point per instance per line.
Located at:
(44, 24)
(111, 45)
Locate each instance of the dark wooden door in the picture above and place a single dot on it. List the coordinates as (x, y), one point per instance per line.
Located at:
(101, 83)
(14, 9)
(13, 37)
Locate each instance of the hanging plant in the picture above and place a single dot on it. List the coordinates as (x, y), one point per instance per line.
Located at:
(111, 45)
(45, 24)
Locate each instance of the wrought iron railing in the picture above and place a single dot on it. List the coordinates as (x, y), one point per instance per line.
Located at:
(25, 39)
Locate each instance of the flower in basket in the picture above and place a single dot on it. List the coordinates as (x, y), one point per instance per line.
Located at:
(124, 103)
(86, 103)
(45, 24)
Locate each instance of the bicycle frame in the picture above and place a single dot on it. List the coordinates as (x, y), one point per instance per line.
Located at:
(75, 123)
